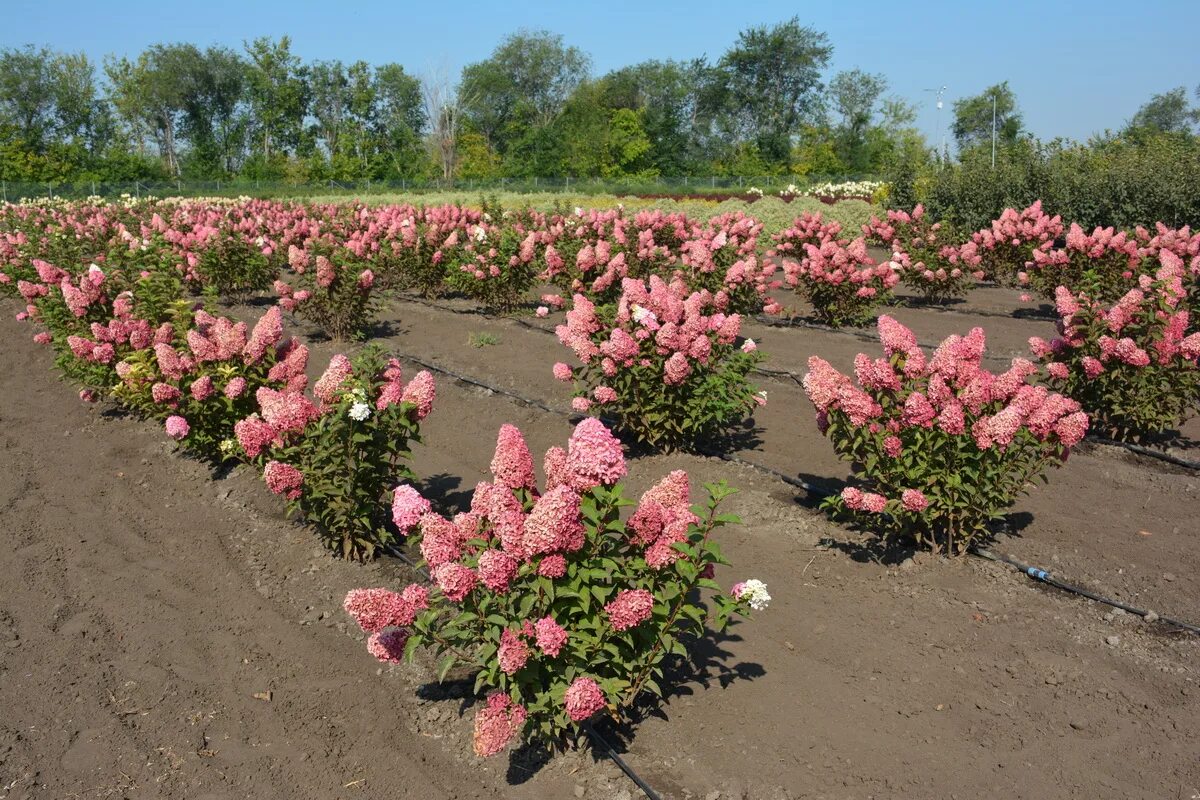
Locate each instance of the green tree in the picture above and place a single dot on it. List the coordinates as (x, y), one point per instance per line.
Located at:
(973, 117)
(769, 83)
(278, 96)
(854, 94)
(513, 96)
(1166, 113)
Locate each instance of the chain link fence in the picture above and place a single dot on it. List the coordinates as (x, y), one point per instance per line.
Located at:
(13, 191)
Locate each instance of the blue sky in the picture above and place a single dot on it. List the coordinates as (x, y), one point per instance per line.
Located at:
(1077, 68)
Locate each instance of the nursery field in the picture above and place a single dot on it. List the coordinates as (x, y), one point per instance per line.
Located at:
(166, 631)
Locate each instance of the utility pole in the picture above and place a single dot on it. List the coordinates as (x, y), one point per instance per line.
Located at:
(993, 130)
(938, 128)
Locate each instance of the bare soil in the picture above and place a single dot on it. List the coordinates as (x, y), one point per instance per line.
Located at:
(165, 632)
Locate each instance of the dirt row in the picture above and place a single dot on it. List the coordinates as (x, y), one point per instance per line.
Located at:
(146, 604)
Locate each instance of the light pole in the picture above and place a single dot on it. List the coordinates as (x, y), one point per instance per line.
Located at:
(993, 130)
(940, 92)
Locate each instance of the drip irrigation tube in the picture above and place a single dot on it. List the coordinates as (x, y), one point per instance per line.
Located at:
(611, 752)
(1150, 452)
(1045, 577)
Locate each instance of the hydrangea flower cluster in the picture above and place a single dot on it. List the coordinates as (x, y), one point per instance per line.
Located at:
(941, 446)
(1133, 366)
(564, 609)
(664, 362)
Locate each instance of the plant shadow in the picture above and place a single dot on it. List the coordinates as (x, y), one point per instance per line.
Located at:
(707, 666)
(1044, 311)
(442, 491)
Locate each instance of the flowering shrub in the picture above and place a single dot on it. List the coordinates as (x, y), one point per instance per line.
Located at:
(204, 380)
(498, 265)
(1108, 261)
(335, 295)
(940, 446)
(231, 265)
(1132, 366)
(846, 190)
(336, 456)
(663, 363)
(1007, 247)
(927, 263)
(563, 610)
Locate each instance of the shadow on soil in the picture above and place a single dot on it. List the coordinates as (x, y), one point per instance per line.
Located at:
(707, 667)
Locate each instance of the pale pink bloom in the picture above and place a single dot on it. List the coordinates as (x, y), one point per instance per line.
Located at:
(388, 646)
(513, 652)
(497, 569)
(553, 566)
(555, 524)
(512, 464)
(408, 506)
(914, 500)
(496, 724)
(629, 608)
(562, 371)
(583, 698)
(177, 427)
(421, 392)
(550, 636)
(283, 479)
(594, 456)
(379, 608)
(455, 581)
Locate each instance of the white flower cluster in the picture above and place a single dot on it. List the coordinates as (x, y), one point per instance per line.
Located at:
(754, 190)
(791, 191)
(861, 189)
(359, 412)
(754, 592)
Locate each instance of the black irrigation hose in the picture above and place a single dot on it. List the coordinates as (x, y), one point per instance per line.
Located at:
(620, 762)
(1150, 452)
(1045, 577)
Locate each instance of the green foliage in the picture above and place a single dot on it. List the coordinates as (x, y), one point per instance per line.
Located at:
(1110, 181)
(350, 465)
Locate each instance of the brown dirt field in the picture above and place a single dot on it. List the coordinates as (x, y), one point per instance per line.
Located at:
(144, 603)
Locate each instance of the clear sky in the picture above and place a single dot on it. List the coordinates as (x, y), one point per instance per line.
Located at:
(1077, 67)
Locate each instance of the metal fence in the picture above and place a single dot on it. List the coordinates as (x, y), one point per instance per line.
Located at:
(12, 191)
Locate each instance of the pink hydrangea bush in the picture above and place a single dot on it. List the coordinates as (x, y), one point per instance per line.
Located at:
(924, 254)
(1132, 365)
(665, 364)
(345, 447)
(1006, 248)
(232, 262)
(842, 283)
(1106, 261)
(940, 446)
(562, 609)
(331, 290)
(208, 375)
(498, 263)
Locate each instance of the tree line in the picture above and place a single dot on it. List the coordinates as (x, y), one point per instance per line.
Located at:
(766, 106)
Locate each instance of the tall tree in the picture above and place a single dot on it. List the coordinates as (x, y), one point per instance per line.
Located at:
(973, 117)
(854, 94)
(1166, 113)
(667, 96)
(278, 95)
(770, 82)
(522, 87)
